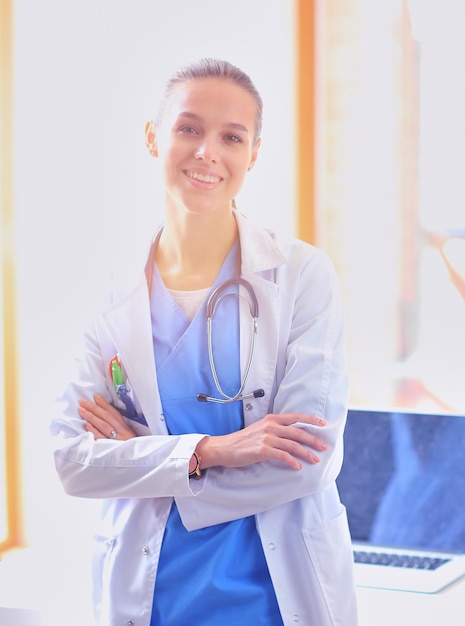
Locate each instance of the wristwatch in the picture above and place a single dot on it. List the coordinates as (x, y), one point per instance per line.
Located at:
(196, 472)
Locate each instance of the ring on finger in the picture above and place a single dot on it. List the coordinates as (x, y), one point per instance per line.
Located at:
(112, 434)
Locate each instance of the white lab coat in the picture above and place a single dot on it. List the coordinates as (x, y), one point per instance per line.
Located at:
(299, 362)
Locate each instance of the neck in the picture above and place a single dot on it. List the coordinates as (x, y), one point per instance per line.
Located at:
(192, 248)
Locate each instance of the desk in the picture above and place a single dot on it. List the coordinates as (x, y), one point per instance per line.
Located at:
(19, 617)
(382, 607)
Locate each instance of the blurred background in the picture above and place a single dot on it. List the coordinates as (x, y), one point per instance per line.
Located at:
(362, 155)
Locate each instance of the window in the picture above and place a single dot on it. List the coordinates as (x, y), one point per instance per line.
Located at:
(387, 155)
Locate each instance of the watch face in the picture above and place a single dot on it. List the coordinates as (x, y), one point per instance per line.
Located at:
(196, 472)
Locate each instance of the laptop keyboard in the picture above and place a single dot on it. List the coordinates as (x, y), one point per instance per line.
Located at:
(399, 560)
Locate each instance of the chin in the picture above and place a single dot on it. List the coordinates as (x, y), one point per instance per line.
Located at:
(207, 209)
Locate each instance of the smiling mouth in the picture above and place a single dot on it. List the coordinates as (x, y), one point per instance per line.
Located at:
(203, 178)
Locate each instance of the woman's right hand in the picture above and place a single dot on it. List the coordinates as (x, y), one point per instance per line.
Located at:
(102, 420)
(273, 438)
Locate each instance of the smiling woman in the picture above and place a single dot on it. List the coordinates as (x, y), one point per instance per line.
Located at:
(207, 138)
(207, 440)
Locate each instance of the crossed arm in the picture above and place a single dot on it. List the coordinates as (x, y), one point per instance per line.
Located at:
(274, 437)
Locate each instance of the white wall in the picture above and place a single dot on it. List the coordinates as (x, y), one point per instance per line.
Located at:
(87, 77)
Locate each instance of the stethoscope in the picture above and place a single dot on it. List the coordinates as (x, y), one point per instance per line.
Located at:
(213, 300)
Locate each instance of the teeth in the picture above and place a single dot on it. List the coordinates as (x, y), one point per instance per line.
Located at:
(204, 178)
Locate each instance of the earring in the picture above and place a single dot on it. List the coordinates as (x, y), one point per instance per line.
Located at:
(149, 135)
(150, 140)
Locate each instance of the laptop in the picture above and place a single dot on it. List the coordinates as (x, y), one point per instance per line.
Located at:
(403, 484)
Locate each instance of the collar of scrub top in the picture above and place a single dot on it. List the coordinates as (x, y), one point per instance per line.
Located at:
(215, 297)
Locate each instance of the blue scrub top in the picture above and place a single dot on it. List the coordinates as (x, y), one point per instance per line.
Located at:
(216, 574)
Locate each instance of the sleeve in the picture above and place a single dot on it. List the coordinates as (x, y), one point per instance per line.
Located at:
(311, 377)
(150, 465)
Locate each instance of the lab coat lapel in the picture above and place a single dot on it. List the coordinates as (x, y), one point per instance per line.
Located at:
(262, 371)
(129, 324)
(260, 258)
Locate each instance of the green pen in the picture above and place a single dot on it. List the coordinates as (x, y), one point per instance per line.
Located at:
(116, 372)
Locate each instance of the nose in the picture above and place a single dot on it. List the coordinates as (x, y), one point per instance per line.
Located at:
(207, 150)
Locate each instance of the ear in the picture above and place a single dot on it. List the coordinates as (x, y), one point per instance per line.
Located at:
(254, 156)
(150, 139)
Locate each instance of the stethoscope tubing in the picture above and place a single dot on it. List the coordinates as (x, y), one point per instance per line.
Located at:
(215, 297)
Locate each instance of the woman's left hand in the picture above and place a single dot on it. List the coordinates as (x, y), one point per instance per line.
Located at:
(103, 420)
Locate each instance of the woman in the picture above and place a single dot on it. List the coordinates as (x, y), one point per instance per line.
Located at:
(214, 511)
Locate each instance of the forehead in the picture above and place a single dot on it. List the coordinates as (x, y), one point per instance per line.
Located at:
(213, 98)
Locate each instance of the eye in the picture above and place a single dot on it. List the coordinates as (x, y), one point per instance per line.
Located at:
(233, 138)
(189, 130)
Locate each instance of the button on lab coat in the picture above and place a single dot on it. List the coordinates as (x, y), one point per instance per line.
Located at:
(299, 362)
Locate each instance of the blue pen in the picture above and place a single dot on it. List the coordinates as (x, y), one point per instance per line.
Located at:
(116, 372)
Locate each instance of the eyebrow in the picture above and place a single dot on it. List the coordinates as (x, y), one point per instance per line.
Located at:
(194, 116)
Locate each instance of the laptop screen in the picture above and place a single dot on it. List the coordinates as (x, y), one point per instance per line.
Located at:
(403, 479)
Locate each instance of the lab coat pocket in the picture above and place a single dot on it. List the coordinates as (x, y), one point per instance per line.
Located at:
(131, 412)
(330, 550)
